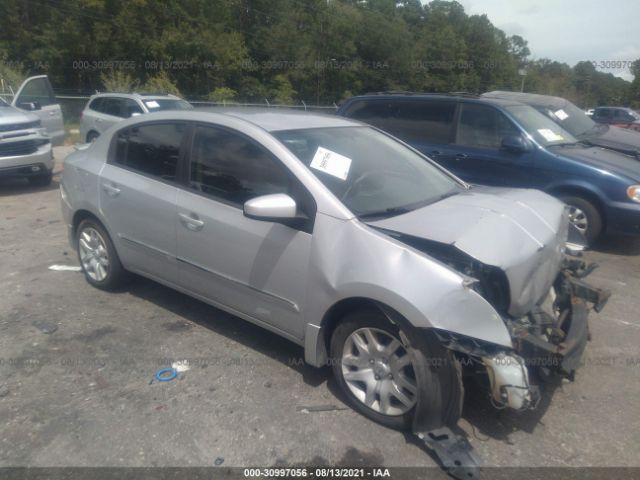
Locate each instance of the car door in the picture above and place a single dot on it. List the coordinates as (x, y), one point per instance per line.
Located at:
(478, 156)
(138, 189)
(252, 267)
(36, 95)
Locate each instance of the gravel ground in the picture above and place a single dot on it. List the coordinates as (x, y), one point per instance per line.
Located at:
(77, 365)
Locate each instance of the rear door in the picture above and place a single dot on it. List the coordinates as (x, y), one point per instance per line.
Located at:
(254, 267)
(138, 189)
(479, 157)
(36, 95)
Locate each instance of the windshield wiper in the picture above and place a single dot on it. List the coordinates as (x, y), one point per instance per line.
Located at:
(388, 212)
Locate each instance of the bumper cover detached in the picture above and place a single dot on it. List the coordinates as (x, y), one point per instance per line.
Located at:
(555, 342)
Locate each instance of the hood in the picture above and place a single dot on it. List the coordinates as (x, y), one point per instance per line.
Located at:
(620, 139)
(520, 232)
(610, 160)
(12, 116)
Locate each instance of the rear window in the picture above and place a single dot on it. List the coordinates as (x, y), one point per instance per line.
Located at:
(412, 121)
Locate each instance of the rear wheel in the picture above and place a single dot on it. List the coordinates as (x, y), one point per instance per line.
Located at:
(585, 217)
(382, 374)
(98, 257)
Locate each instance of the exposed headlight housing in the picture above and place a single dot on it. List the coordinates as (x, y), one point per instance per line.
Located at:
(633, 192)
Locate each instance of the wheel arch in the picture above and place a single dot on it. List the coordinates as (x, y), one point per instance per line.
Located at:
(318, 337)
(583, 192)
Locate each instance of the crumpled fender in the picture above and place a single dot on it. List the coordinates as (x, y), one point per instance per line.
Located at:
(360, 262)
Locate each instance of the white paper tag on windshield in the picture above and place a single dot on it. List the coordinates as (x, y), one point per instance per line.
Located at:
(549, 135)
(152, 104)
(561, 114)
(332, 163)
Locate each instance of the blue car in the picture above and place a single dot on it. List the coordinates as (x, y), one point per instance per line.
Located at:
(499, 142)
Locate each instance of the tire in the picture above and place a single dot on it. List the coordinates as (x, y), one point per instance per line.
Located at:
(91, 136)
(438, 382)
(41, 180)
(585, 211)
(101, 267)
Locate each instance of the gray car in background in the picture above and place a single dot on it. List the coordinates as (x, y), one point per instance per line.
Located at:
(347, 242)
(106, 109)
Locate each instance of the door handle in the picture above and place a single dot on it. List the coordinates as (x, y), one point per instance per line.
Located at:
(111, 190)
(191, 221)
(52, 114)
(461, 156)
(436, 152)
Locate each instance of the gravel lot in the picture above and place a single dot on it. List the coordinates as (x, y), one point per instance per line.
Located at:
(83, 395)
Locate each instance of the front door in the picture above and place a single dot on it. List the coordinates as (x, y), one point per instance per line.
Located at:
(253, 267)
(36, 96)
(478, 156)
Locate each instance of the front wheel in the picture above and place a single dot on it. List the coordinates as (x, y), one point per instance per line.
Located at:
(585, 217)
(376, 366)
(98, 257)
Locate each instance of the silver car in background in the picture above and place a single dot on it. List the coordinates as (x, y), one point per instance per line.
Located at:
(106, 109)
(347, 242)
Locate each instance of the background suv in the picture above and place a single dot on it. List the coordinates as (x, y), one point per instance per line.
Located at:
(576, 121)
(498, 142)
(25, 149)
(105, 109)
(618, 116)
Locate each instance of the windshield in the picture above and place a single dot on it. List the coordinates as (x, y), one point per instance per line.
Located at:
(544, 130)
(572, 119)
(371, 173)
(157, 104)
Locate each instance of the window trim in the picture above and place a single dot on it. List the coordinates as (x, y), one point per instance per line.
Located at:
(309, 202)
(179, 180)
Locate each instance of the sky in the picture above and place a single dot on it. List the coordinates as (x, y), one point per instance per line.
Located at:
(570, 31)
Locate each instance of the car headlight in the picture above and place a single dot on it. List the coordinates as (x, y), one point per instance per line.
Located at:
(634, 193)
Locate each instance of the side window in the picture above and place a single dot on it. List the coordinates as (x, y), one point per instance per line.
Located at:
(412, 121)
(130, 107)
(604, 113)
(151, 149)
(430, 121)
(37, 90)
(111, 106)
(483, 127)
(96, 104)
(234, 169)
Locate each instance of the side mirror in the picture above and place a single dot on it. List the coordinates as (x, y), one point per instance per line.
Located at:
(516, 144)
(30, 106)
(271, 208)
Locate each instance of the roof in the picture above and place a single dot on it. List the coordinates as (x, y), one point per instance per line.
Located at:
(283, 119)
(528, 98)
(382, 96)
(140, 96)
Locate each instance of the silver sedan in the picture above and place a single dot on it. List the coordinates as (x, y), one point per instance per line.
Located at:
(344, 240)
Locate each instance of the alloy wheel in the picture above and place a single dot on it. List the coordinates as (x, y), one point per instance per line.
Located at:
(378, 371)
(93, 254)
(579, 219)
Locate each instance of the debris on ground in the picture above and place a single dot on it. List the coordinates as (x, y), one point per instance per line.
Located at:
(218, 461)
(65, 268)
(45, 327)
(4, 390)
(319, 408)
(180, 365)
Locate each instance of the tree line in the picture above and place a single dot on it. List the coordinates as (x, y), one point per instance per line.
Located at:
(284, 51)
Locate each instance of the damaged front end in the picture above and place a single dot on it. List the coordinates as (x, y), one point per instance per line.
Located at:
(517, 250)
(548, 341)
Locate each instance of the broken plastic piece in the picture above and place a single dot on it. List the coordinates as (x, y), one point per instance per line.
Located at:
(454, 451)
